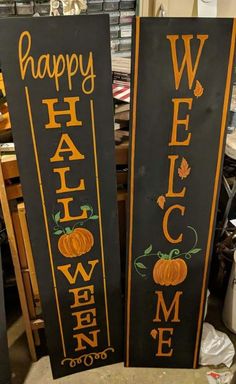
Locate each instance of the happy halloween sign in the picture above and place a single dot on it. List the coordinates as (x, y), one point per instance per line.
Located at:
(57, 73)
(182, 81)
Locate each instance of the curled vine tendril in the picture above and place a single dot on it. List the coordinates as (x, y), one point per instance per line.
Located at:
(174, 253)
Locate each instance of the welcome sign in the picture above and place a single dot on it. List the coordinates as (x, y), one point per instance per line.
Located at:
(182, 81)
(58, 82)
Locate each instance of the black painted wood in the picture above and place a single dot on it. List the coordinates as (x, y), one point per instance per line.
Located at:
(5, 373)
(173, 183)
(63, 63)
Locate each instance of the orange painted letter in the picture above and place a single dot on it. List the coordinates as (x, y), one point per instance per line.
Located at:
(167, 312)
(177, 122)
(187, 59)
(93, 342)
(83, 296)
(52, 113)
(85, 319)
(67, 217)
(63, 187)
(165, 223)
(70, 147)
(162, 341)
(170, 192)
(79, 270)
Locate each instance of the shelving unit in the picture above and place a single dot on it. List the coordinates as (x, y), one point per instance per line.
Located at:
(121, 13)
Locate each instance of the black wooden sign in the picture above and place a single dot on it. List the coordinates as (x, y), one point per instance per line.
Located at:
(58, 84)
(5, 373)
(182, 81)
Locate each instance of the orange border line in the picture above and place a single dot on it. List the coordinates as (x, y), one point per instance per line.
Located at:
(100, 219)
(131, 192)
(45, 216)
(215, 193)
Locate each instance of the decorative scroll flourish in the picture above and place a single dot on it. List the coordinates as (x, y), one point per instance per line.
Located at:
(88, 359)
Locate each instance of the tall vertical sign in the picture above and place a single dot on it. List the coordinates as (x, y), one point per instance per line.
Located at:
(58, 83)
(182, 81)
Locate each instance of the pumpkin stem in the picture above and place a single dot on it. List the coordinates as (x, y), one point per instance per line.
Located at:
(68, 230)
(164, 256)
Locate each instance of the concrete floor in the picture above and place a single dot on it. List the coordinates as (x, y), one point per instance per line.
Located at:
(116, 374)
(24, 371)
(40, 373)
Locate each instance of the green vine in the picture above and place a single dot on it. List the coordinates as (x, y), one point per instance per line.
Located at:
(173, 254)
(59, 229)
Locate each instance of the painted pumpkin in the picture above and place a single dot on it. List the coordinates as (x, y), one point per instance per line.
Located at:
(170, 271)
(76, 243)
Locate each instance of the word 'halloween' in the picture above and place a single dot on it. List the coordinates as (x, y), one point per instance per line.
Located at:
(56, 66)
(74, 242)
(180, 137)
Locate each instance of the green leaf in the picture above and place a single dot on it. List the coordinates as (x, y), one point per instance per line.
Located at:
(85, 207)
(195, 250)
(94, 217)
(59, 232)
(148, 250)
(57, 217)
(141, 265)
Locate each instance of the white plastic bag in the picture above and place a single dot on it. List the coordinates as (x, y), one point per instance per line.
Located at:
(219, 377)
(216, 347)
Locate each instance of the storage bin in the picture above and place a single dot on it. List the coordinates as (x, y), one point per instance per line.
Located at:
(94, 6)
(25, 8)
(127, 4)
(126, 17)
(43, 8)
(125, 44)
(114, 17)
(111, 5)
(115, 45)
(114, 31)
(7, 8)
(126, 30)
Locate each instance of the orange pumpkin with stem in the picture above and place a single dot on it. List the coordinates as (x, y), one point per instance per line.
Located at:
(75, 242)
(170, 271)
